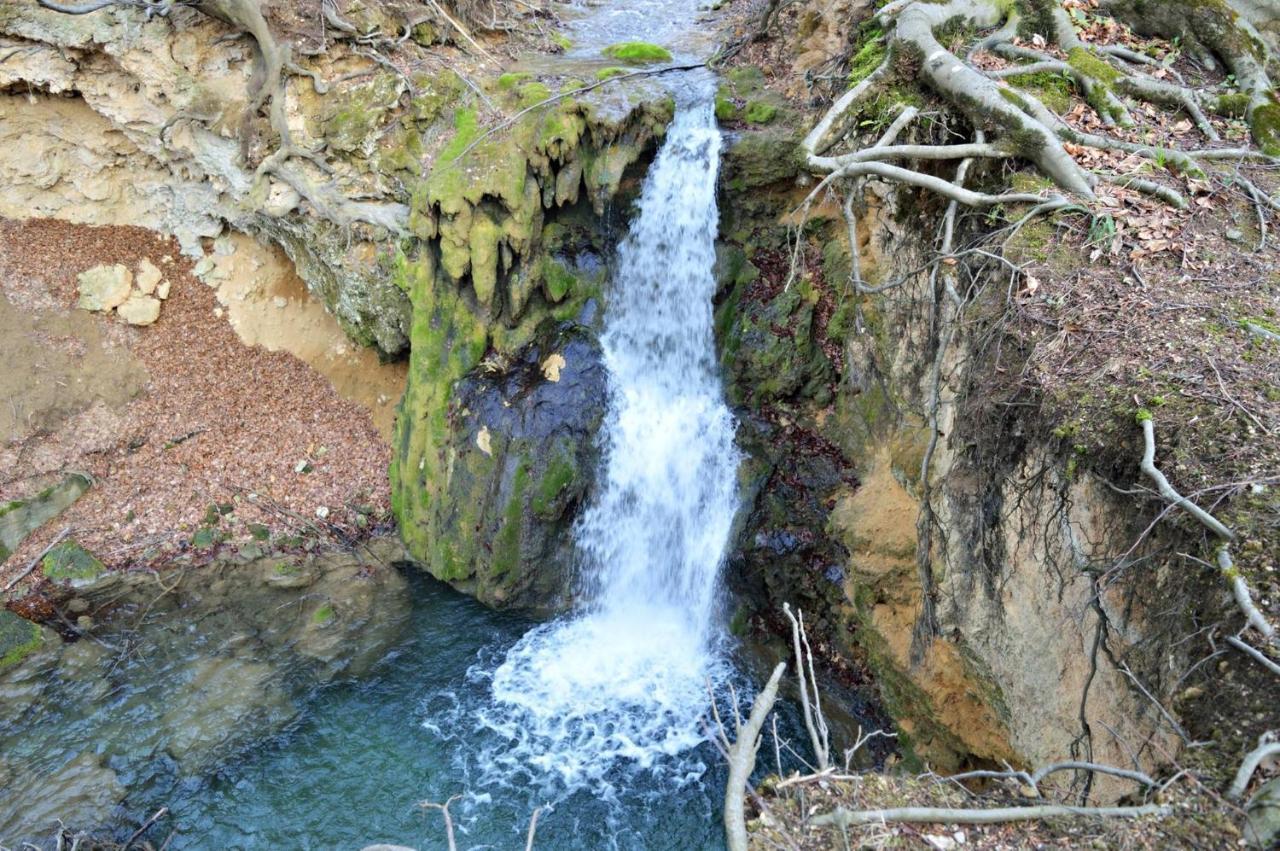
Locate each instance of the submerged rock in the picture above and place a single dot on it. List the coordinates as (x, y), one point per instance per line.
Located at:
(82, 793)
(222, 705)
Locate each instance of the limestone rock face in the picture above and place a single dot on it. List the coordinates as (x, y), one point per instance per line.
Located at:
(140, 310)
(104, 287)
(986, 638)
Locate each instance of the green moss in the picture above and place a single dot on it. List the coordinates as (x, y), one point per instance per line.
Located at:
(19, 638)
(1090, 65)
(1053, 90)
(506, 550)
(323, 615)
(287, 568)
(70, 562)
(1235, 105)
(869, 56)
(559, 475)
(434, 93)
(726, 109)
(510, 80)
(760, 112)
(614, 71)
(1264, 124)
(532, 94)
(465, 131)
(485, 236)
(1143, 416)
(557, 281)
(637, 52)
(357, 113)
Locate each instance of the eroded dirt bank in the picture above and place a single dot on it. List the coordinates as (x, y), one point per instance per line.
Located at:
(181, 420)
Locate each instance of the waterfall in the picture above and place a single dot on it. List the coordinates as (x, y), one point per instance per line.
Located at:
(621, 685)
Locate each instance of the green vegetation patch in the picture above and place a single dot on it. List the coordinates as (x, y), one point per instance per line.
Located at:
(637, 52)
(869, 56)
(760, 112)
(323, 615)
(18, 638)
(70, 562)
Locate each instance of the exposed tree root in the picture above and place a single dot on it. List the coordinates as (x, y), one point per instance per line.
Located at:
(1267, 747)
(1239, 588)
(268, 92)
(1023, 127)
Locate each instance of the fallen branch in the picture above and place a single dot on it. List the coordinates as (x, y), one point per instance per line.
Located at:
(448, 819)
(814, 722)
(1254, 652)
(147, 825)
(26, 571)
(937, 815)
(533, 828)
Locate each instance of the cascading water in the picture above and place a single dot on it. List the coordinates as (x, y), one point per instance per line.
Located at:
(622, 685)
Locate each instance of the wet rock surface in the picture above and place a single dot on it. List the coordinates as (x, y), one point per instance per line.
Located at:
(522, 460)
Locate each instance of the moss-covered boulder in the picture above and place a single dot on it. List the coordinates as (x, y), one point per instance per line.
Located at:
(770, 344)
(68, 562)
(519, 462)
(18, 638)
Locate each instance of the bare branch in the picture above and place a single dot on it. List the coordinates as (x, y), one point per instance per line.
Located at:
(742, 759)
(934, 815)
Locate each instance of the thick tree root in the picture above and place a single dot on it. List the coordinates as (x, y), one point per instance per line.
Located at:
(1266, 747)
(1021, 125)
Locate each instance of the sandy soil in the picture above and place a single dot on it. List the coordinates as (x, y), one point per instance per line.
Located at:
(178, 416)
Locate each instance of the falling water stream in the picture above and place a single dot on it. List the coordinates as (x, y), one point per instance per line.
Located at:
(624, 680)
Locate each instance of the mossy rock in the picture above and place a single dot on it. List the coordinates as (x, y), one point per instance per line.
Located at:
(762, 158)
(70, 562)
(357, 113)
(637, 52)
(19, 638)
(21, 517)
(760, 112)
(518, 457)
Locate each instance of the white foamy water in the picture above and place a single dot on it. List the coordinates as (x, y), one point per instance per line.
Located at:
(621, 685)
